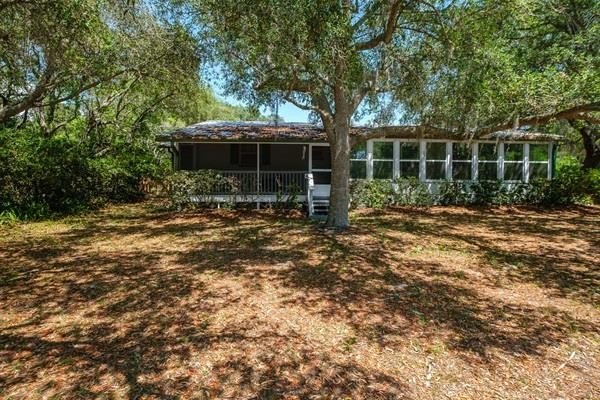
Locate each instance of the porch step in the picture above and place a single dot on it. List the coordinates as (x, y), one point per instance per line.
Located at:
(320, 207)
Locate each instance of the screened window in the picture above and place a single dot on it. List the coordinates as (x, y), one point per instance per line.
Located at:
(513, 161)
(243, 155)
(409, 159)
(435, 161)
(488, 161)
(321, 157)
(461, 161)
(358, 162)
(383, 160)
(538, 161)
(186, 157)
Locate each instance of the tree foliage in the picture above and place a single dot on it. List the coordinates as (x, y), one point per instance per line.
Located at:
(463, 67)
(517, 63)
(84, 87)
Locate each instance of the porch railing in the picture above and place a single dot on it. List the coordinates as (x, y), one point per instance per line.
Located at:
(263, 182)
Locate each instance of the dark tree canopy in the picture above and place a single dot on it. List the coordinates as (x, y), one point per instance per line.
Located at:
(467, 67)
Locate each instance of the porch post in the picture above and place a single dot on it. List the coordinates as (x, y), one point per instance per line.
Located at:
(500, 170)
(422, 162)
(526, 163)
(475, 162)
(257, 176)
(369, 160)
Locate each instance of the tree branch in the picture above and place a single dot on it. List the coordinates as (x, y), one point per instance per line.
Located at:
(429, 131)
(388, 33)
(44, 84)
(576, 112)
(82, 89)
(368, 14)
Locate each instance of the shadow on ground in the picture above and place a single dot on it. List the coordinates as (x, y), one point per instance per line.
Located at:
(159, 305)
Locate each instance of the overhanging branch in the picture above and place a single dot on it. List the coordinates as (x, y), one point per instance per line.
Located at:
(388, 33)
(429, 131)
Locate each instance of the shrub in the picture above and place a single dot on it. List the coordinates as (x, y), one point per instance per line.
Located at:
(287, 197)
(8, 218)
(188, 189)
(486, 192)
(370, 194)
(593, 184)
(453, 193)
(411, 192)
(572, 185)
(41, 176)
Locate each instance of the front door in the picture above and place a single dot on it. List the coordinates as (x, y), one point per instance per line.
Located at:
(320, 167)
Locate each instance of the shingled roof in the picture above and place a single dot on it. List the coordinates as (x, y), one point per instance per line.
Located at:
(262, 131)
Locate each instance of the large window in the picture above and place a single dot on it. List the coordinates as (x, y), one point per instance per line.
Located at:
(435, 160)
(358, 162)
(488, 161)
(383, 160)
(538, 161)
(513, 161)
(461, 161)
(409, 159)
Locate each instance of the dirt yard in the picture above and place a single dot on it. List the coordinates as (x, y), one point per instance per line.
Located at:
(134, 303)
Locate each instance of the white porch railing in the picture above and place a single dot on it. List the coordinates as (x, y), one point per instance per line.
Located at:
(263, 182)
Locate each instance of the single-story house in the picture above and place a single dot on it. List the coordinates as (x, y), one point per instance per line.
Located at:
(269, 158)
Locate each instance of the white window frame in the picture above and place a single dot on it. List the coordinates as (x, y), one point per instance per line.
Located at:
(522, 162)
(362, 160)
(547, 162)
(497, 161)
(417, 160)
(392, 160)
(446, 160)
(452, 160)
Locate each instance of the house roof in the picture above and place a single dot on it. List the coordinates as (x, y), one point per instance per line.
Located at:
(258, 131)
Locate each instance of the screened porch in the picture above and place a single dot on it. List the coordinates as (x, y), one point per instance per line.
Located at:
(258, 168)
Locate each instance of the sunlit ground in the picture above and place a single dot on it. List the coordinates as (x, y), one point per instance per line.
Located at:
(136, 303)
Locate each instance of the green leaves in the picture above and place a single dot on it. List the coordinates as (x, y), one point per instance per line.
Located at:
(516, 59)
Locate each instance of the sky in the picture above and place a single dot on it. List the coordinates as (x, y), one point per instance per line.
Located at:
(288, 112)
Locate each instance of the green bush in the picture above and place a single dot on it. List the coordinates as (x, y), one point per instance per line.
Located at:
(572, 185)
(487, 192)
(593, 184)
(370, 194)
(453, 193)
(43, 176)
(383, 193)
(286, 198)
(411, 192)
(189, 189)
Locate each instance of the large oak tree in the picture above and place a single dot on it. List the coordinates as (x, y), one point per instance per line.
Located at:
(452, 66)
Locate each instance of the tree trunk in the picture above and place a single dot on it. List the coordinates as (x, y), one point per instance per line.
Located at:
(589, 137)
(340, 177)
(339, 140)
(591, 146)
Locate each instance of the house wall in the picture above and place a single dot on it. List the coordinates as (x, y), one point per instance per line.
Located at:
(386, 159)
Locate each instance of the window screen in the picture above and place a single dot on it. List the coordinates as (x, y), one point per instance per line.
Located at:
(435, 160)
